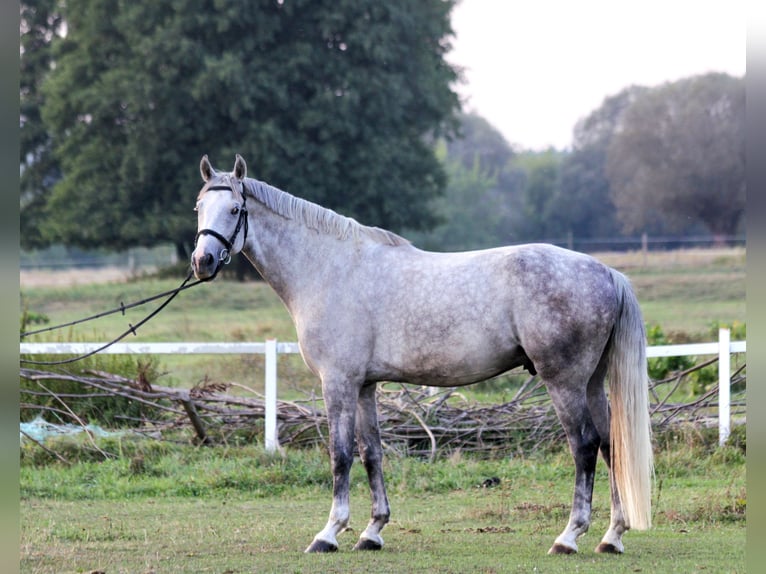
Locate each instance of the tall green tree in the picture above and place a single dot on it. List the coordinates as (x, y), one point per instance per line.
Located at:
(479, 141)
(338, 101)
(473, 212)
(680, 155)
(537, 186)
(583, 204)
(40, 22)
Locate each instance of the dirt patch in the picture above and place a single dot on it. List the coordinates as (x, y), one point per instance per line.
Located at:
(67, 277)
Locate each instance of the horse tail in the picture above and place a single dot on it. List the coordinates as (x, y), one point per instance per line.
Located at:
(630, 429)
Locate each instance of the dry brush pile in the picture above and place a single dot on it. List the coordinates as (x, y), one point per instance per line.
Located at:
(414, 420)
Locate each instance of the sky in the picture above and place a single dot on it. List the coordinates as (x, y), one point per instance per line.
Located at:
(533, 68)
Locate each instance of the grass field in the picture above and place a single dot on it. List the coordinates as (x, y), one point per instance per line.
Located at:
(454, 533)
(197, 510)
(687, 291)
(163, 507)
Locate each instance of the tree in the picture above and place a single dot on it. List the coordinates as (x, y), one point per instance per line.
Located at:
(537, 176)
(475, 210)
(680, 156)
(583, 203)
(334, 100)
(41, 22)
(473, 213)
(598, 128)
(479, 141)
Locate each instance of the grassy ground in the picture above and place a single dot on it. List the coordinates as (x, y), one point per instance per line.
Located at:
(687, 291)
(160, 507)
(453, 533)
(240, 510)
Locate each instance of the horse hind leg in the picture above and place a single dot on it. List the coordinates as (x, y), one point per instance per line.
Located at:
(599, 408)
(611, 543)
(584, 440)
(371, 453)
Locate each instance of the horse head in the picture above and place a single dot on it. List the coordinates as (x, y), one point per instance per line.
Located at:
(221, 218)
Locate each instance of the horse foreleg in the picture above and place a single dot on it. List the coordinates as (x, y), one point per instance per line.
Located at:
(371, 453)
(340, 401)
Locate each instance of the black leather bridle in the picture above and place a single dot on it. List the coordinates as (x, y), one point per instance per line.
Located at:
(224, 257)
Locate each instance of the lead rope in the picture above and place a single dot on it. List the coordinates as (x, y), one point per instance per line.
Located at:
(223, 259)
(122, 307)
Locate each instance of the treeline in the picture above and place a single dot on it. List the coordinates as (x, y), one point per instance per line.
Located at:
(662, 161)
(349, 103)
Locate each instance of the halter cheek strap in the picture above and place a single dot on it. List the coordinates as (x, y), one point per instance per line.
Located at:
(225, 256)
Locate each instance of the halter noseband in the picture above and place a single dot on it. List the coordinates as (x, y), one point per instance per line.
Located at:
(225, 256)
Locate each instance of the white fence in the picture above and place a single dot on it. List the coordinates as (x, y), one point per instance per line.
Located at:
(724, 347)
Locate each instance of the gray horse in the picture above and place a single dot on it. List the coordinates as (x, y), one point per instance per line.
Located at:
(369, 307)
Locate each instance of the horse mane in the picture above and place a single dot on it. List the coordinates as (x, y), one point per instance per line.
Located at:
(317, 217)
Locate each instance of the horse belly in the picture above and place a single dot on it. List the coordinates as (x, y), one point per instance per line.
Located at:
(436, 352)
(446, 368)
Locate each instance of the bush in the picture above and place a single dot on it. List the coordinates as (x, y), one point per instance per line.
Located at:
(661, 367)
(699, 381)
(738, 330)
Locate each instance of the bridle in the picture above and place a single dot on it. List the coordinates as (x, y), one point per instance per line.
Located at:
(224, 257)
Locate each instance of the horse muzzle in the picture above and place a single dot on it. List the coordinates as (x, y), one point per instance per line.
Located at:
(206, 264)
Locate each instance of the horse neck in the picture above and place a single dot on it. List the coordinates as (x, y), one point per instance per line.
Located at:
(290, 256)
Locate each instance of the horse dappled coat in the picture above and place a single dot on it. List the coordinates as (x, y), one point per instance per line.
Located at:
(368, 307)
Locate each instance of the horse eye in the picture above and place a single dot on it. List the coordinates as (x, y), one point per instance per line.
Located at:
(235, 210)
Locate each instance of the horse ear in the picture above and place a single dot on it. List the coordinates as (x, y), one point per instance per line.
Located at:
(205, 169)
(240, 168)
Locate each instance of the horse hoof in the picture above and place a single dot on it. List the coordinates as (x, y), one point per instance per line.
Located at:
(561, 549)
(606, 548)
(366, 544)
(321, 546)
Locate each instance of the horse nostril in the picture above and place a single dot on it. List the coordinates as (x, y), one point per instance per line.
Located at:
(203, 261)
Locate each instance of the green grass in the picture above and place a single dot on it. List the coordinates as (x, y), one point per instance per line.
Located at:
(223, 311)
(187, 509)
(454, 533)
(159, 506)
(687, 291)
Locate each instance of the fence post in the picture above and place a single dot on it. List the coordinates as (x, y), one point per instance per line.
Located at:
(271, 440)
(724, 394)
(644, 247)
